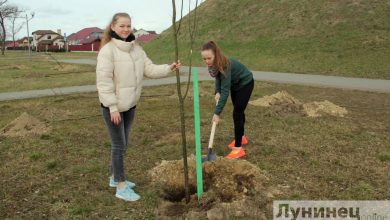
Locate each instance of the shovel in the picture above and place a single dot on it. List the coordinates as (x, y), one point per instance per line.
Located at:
(210, 154)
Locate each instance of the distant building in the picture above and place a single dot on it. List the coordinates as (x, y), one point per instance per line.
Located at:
(10, 44)
(87, 39)
(44, 39)
(24, 42)
(85, 36)
(144, 36)
(18, 44)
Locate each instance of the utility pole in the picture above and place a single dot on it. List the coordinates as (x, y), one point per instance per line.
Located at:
(28, 34)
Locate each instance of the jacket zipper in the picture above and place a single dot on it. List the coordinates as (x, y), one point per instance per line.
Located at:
(136, 77)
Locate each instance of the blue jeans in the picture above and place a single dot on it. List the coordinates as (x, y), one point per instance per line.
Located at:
(119, 135)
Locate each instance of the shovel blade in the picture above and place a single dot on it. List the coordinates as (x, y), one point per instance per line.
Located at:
(210, 156)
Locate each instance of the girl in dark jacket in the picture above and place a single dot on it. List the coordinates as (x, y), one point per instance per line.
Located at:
(231, 77)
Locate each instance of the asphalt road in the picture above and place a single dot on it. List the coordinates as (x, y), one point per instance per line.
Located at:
(373, 85)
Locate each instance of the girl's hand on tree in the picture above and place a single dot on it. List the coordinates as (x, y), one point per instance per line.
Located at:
(175, 66)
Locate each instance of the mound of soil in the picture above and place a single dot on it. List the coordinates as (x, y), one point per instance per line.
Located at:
(317, 109)
(278, 98)
(284, 104)
(24, 125)
(288, 109)
(233, 188)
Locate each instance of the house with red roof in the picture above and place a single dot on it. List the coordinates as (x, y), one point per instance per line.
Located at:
(143, 36)
(87, 39)
(85, 36)
(146, 38)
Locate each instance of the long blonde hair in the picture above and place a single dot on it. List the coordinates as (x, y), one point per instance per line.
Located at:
(106, 35)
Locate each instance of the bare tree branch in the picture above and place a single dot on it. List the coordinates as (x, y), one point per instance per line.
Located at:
(2, 2)
(181, 16)
(6, 11)
(15, 28)
(192, 31)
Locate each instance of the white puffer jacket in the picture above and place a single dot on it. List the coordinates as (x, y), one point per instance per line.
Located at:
(119, 72)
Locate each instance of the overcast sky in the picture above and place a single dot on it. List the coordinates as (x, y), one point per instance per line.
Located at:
(73, 15)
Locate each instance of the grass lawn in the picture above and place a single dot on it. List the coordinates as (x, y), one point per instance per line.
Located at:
(63, 174)
(341, 38)
(19, 73)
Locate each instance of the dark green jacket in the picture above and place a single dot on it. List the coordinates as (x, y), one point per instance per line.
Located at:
(235, 77)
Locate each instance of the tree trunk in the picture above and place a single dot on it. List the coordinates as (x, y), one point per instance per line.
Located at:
(13, 31)
(4, 37)
(181, 103)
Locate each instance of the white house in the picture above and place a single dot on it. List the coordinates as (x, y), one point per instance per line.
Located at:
(47, 38)
(140, 32)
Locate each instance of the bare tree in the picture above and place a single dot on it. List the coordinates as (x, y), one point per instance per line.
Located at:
(6, 11)
(176, 30)
(1, 34)
(15, 28)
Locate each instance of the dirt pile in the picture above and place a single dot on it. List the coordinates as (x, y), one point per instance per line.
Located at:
(317, 109)
(284, 104)
(278, 98)
(24, 125)
(233, 188)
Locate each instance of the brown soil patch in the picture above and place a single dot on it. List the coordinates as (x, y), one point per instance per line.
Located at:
(65, 68)
(317, 109)
(288, 109)
(284, 104)
(52, 113)
(18, 67)
(174, 138)
(24, 125)
(233, 188)
(202, 93)
(275, 99)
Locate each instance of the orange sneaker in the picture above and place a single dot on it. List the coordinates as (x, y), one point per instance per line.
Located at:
(244, 141)
(236, 153)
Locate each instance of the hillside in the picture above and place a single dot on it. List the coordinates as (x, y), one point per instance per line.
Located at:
(330, 37)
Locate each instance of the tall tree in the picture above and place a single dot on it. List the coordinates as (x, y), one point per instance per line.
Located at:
(6, 11)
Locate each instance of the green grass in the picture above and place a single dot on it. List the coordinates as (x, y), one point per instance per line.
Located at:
(340, 38)
(384, 156)
(19, 73)
(34, 156)
(63, 174)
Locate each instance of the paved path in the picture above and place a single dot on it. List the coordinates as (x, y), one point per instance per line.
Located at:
(374, 85)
